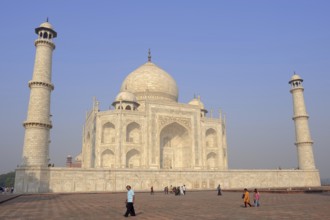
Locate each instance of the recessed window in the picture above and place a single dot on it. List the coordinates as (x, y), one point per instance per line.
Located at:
(45, 35)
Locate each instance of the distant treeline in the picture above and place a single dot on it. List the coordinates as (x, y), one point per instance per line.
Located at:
(7, 180)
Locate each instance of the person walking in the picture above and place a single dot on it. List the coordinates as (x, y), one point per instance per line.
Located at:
(246, 198)
(151, 190)
(130, 201)
(181, 190)
(256, 197)
(219, 190)
(184, 189)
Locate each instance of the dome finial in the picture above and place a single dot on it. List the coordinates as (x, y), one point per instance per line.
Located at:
(149, 56)
(47, 19)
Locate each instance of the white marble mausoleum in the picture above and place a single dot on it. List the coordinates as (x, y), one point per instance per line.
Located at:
(148, 138)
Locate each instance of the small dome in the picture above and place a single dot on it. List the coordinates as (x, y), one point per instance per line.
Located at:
(151, 82)
(197, 102)
(295, 77)
(126, 96)
(46, 25)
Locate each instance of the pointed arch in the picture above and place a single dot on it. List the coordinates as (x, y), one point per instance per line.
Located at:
(211, 138)
(107, 158)
(211, 160)
(108, 133)
(133, 159)
(175, 147)
(133, 133)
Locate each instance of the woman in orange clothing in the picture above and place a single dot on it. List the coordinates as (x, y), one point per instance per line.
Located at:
(246, 198)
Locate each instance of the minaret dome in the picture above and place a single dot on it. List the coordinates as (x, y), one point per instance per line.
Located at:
(46, 31)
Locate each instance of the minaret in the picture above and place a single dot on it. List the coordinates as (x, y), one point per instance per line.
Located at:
(38, 123)
(304, 142)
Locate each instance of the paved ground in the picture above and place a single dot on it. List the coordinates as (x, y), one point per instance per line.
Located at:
(194, 205)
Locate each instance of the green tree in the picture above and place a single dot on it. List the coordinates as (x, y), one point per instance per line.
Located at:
(7, 179)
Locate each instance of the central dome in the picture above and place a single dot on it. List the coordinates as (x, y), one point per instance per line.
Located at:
(151, 82)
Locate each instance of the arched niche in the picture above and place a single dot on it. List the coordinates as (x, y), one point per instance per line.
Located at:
(211, 160)
(108, 133)
(133, 159)
(133, 133)
(107, 159)
(175, 147)
(211, 138)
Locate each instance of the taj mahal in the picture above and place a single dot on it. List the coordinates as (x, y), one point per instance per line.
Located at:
(148, 138)
(149, 129)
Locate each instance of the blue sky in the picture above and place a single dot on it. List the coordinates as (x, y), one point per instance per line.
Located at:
(237, 55)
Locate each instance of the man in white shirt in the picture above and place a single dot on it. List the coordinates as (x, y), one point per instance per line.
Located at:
(130, 201)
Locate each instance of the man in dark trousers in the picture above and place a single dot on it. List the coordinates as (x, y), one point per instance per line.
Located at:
(130, 201)
(219, 190)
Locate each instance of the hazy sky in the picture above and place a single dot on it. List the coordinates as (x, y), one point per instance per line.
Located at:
(237, 55)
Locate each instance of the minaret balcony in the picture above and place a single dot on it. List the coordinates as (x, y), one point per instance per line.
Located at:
(29, 124)
(44, 42)
(41, 84)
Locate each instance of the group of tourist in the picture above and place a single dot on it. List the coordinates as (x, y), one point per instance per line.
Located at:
(246, 198)
(176, 190)
(4, 190)
(181, 190)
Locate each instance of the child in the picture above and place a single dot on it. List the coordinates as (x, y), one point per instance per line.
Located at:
(256, 197)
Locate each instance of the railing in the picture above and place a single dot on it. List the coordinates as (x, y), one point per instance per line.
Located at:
(325, 182)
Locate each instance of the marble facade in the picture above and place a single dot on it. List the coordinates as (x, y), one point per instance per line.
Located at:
(53, 179)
